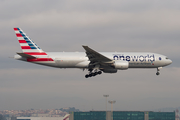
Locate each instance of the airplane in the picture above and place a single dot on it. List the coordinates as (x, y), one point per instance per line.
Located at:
(95, 62)
(66, 117)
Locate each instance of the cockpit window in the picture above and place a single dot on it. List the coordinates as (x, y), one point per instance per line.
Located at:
(167, 58)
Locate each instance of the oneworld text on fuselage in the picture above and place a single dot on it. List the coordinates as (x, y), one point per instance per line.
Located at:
(141, 58)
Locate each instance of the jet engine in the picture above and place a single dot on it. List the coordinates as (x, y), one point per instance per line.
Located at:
(109, 70)
(121, 65)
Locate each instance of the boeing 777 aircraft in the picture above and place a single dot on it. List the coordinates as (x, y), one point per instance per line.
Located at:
(95, 62)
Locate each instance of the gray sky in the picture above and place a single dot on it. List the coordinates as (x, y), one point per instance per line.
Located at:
(104, 25)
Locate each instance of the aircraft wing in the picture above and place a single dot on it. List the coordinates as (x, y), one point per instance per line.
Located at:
(95, 57)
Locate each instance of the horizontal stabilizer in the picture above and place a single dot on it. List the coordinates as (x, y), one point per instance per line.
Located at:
(26, 55)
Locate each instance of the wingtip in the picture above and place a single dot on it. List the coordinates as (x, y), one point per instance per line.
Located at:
(84, 46)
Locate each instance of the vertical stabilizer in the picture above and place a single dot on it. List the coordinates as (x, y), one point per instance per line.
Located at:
(27, 45)
(31, 51)
(66, 117)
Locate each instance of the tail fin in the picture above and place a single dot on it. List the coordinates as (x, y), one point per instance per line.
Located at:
(66, 117)
(27, 45)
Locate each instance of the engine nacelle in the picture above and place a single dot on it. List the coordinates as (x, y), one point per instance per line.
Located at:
(109, 70)
(121, 65)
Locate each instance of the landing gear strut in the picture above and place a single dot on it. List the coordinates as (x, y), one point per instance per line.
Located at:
(158, 69)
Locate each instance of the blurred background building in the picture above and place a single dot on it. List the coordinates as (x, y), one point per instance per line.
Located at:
(122, 115)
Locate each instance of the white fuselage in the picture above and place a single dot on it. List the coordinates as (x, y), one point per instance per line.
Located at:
(79, 59)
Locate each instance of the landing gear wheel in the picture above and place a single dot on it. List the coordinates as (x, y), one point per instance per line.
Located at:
(157, 73)
(86, 76)
(92, 74)
(99, 72)
(96, 73)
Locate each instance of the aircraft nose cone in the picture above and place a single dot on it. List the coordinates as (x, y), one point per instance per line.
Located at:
(169, 62)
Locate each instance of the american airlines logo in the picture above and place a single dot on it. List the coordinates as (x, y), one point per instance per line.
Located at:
(140, 58)
(66, 117)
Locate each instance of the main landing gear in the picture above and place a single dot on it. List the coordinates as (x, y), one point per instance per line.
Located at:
(158, 69)
(91, 74)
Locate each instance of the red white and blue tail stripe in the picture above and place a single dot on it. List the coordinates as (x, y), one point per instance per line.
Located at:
(30, 48)
(27, 45)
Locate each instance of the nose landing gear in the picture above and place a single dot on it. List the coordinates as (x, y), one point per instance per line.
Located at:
(158, 69)
(157, 73)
